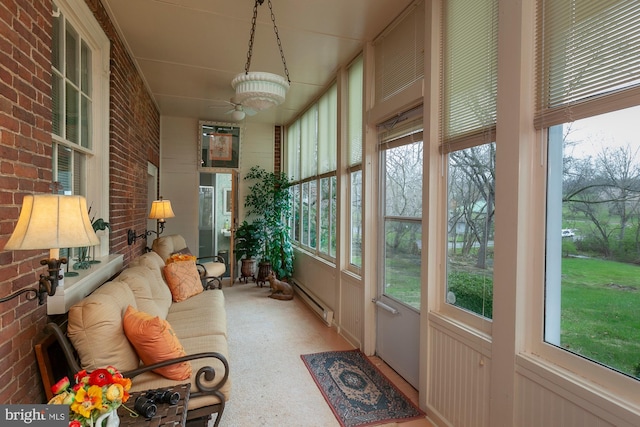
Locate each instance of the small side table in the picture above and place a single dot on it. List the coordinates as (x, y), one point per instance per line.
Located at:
(167, 415)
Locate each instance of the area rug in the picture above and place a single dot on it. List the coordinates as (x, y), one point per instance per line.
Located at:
(357, 392)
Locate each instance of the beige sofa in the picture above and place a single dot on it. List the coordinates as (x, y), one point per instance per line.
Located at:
(95, 328)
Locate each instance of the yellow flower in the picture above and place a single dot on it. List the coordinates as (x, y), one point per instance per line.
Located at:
(115, 392)
(87, 401)
(59, 399)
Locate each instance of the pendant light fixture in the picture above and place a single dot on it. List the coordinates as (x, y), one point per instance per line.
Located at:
(260, 90)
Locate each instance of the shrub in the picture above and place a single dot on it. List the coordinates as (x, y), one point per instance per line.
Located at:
(473, 292)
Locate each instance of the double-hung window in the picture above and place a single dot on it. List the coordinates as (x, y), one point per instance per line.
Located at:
(588, 66)
(80, 91)
(468, 128)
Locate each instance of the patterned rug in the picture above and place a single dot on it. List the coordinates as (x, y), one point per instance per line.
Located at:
(358, 393)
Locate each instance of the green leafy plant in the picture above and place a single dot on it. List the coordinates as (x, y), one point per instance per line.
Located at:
(247, 241)
(269, 201)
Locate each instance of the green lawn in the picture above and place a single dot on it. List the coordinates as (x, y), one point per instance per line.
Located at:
(601, 311)
(600, 306)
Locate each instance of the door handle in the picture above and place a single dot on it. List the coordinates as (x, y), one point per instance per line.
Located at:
(385, 306)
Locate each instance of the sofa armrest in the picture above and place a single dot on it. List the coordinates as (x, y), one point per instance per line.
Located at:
(205, 375)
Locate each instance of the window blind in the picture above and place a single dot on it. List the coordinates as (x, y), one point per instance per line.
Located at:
(399, 53)
(588, 58)
(309, 142)
(355, 111)
(328, 130)
(293, 150)
(469, 75)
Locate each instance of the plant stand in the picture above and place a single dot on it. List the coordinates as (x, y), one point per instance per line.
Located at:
(264, 268)
(247, 269)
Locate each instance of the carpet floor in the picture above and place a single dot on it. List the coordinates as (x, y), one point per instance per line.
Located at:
(270, 385)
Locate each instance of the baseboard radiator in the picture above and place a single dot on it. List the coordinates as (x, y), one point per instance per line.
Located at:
(325, 313)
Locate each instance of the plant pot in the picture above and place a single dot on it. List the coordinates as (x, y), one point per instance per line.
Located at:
(264, 268)
(247, 269)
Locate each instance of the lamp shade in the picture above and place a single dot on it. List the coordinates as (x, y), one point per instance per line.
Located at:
(50, 221)
(259, 90)
(161, 209)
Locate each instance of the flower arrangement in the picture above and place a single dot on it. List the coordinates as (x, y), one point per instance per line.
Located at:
(94, 394)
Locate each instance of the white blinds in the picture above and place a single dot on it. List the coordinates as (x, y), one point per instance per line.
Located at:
(328, 130)
(354, 111)
(308, 143)
(293, 151)
(588, 56)
(399, 54)
(470, 37)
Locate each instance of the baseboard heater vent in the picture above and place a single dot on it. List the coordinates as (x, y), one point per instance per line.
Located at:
(316, 305)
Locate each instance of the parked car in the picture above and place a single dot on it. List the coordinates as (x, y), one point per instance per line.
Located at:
(567, 232)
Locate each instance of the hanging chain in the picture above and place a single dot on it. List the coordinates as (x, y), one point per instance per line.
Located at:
(275, 30)
(252, 35)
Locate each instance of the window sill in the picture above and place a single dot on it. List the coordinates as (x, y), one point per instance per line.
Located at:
(76, 288)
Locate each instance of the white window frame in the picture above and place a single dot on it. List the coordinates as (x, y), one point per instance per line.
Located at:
(97, 159)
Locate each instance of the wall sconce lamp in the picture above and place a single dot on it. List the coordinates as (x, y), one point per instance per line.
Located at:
(51, 221)
(160, 210)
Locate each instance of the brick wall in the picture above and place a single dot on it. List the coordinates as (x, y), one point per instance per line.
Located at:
(25, 168)
(134, 134)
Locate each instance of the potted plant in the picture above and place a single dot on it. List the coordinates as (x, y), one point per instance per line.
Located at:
(247, 245)
(269, 201)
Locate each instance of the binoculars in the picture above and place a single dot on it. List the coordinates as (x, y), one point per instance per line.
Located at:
(146, 405)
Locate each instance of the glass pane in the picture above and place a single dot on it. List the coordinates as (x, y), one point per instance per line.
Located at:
(592, 290)
(313, 213)
(471, 196)
(403, 223)
(333, 216)
(305, 214)
(71, 115)
(325, 211)
(79, 181)
(57, 101)
(65, 177)
(296, 212)
(356, 218)
(403, 181)
(85, 69)
(402, 261)
(71, 54)
(56, 43)
(85, 122)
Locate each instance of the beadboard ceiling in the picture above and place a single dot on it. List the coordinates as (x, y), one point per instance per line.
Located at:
(188, 51)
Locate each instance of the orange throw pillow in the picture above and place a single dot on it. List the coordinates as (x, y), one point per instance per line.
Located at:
(183, 279)
(155, 341)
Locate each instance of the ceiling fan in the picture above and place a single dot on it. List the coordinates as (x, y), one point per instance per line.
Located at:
(237, 111)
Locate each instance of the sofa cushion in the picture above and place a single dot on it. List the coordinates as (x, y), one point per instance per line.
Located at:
(98, 319)
(157, 286)
(202, 315)
(166, 245)
(183, 279)
(138, 280)
(155, 341)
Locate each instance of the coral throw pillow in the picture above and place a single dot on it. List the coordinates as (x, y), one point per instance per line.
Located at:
(183, 279)
(155, 341)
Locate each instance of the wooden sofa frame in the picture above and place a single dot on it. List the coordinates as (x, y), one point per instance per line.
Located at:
(56, 341)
